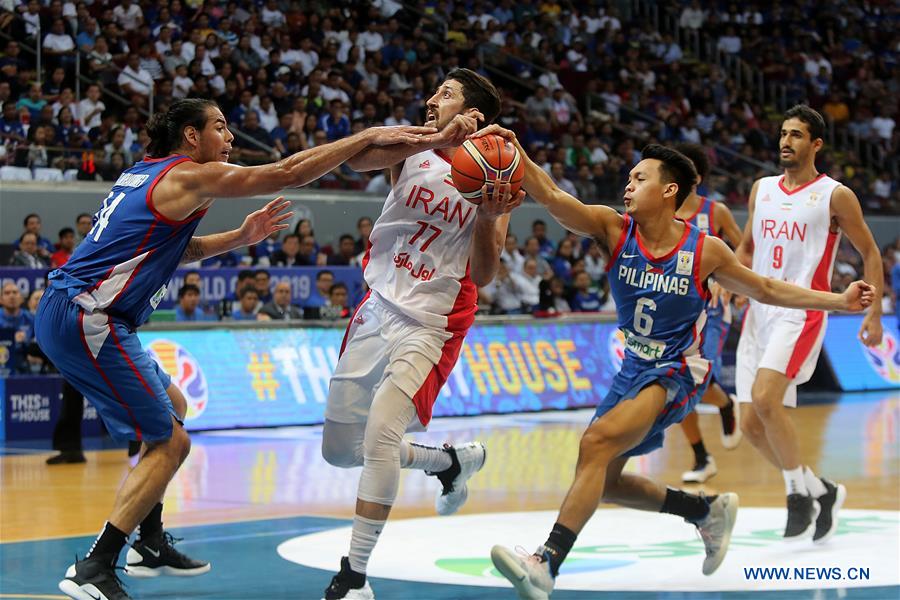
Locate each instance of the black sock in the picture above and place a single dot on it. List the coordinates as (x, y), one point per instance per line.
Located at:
(700, 454)
(727, 416)
(558, 545)
(692, 508)
(108, 544)
(151, 527)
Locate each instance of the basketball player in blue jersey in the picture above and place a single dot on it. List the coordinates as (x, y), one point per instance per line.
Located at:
(87, 319)
(657, 272)
(712, 218)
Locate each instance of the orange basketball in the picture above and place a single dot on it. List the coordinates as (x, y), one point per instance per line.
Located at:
(484, 160)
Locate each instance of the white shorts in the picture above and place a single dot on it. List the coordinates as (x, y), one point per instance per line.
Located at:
(381, 343)
(785, 340)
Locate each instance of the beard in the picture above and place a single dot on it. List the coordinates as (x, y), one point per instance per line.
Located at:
(788, 163)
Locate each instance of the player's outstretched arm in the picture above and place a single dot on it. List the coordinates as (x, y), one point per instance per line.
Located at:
(222, 180)
(590, 221)
(720, 262)
(847, 213)
(374, 158)
(257, 226)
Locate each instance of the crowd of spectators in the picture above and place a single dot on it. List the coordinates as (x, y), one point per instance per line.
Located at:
(591, 82)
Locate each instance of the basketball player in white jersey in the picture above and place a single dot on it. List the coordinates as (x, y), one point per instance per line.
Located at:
(428, 252)
(713, 218)
(792, 233)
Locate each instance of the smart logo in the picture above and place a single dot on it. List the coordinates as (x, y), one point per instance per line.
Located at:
(185, 372)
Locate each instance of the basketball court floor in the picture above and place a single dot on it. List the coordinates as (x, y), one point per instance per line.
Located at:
(273, 517)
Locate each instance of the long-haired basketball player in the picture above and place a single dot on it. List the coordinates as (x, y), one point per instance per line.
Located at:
(658, 271)
(428, 251)
(792, 234)
(87, 319)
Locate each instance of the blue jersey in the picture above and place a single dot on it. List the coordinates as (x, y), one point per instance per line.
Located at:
(703, 218)
(125, 261)
(660, 301)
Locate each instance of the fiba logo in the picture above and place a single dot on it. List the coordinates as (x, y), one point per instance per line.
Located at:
(185, 372)
(616, 348)
(885, 358)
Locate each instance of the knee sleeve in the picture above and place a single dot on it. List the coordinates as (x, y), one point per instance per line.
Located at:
(391, 413)
(342, 443)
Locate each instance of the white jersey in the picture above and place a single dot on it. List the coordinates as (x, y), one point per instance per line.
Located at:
(792, 237)
(418, 259)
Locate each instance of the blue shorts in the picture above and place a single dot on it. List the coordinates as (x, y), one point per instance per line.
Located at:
(714, 335)
(104, 360)
(683, 394)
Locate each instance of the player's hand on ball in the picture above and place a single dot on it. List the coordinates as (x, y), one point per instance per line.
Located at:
(262, 223)
(870, 332)
(459, 129)
(399, 134)
(499, 201)
(858, 296)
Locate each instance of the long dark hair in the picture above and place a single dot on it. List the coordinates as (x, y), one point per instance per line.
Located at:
(167, 128)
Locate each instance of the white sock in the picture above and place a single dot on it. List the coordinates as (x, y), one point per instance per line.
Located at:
(813, 484)
(426, 458)
(794, 482)
(362, 541)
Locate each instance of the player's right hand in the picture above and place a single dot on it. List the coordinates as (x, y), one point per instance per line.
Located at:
(399, 134)
(858, 296)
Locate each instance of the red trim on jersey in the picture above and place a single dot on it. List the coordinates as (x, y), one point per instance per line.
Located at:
(441, 155)
(815, 319)
(115, 338)
(461, 317)
(618, 249)
(697, 212)
(670, 253)
(691, 395)
(159, 216)
(698, 256)
(137, 427)
(155, 160)
(805, 185)
(350, 324)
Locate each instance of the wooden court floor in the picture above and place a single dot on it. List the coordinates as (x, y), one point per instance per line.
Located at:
(259, 475)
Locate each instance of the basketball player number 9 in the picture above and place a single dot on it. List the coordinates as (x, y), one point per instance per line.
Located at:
(643, 322)
(777, 256)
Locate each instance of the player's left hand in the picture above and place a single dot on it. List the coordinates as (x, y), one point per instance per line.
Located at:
(500, 201)
(871, 331)
(262, 223)
(858, 296)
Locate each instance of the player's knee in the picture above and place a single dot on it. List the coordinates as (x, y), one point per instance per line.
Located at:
(344, 458)
(181, 442)
(598, 441)
(763, 405)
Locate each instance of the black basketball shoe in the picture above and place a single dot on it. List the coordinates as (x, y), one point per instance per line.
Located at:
(93, 579)
(801, 519)
(348, 585)
(157, 556)
(830, 503)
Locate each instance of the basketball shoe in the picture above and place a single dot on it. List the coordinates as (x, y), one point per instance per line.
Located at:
(348, 585)
(157, 556)
(467, 459)
(715, 530)
(700, 472)
(93, 578)
(829, 504)
(803, 511)
(529, 573)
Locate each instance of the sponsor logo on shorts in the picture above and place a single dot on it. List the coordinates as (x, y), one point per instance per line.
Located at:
(884, 358)
(185, 372)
